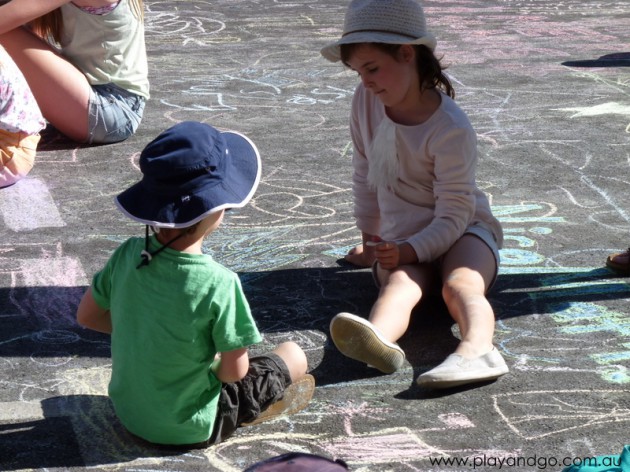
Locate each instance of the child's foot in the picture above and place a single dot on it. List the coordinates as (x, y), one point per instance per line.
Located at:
(359, 339)
(296, 397)
(457, 370)
(619, 262)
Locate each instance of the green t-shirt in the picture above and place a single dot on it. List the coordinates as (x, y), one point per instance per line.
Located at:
(169, 319)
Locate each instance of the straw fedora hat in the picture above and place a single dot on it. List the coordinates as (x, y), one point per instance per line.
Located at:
(382, 21)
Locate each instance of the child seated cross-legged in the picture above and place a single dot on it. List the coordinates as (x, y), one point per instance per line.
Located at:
(179, 321)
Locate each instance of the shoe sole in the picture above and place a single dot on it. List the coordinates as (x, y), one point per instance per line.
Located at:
(297, 396)
(356, 338)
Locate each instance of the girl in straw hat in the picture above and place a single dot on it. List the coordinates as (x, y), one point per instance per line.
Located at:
(425, 224)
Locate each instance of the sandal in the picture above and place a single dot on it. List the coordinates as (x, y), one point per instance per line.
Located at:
(621, 268)
(296, 397)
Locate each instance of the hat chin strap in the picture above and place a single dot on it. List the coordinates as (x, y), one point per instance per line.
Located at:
(147, 255)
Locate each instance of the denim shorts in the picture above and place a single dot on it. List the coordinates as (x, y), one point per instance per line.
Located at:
(114, 114)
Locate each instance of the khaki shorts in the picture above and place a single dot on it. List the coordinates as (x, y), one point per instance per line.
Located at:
(17, 155)
(242, 401)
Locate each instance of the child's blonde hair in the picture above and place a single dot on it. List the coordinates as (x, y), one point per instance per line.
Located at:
(50, 25)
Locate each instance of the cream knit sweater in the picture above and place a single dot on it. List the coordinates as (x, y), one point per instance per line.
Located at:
(435, 197)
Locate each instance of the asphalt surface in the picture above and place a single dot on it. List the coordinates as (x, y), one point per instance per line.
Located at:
(547, 87)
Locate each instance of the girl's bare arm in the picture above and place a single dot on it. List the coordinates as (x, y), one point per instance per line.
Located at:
(16, 13)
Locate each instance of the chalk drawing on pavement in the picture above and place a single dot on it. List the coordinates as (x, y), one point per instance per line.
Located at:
(538, 414)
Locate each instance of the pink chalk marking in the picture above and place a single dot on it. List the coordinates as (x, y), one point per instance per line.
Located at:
(382, 448)
(456, 420)
(28, 205)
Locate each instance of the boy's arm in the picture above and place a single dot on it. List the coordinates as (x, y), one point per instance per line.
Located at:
(90, 315)
(232, 366)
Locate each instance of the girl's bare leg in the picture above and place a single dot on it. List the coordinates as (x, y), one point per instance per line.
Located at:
(374, 341)
(401, 290)
(61, 90)
(468, 269)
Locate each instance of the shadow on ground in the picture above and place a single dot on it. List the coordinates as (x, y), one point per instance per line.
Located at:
(620, 59)
(52, 440)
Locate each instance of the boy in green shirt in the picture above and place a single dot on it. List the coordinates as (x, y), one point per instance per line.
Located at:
(179, 321)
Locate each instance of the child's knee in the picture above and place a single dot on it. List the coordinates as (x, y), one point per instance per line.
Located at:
(463, 281)
(294, 357)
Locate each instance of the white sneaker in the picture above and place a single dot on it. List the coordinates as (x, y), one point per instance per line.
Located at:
(458, 370)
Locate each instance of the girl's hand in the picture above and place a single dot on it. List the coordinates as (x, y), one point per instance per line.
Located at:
(390, 254)
(387, 254)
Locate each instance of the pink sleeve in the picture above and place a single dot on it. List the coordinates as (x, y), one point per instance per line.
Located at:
(366, 209)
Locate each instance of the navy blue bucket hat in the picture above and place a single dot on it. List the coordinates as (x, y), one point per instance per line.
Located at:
(190, 171)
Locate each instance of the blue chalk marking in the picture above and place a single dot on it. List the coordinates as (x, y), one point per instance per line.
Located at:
(616, 374)
(540, 230)
(338, 251)
(518, 257)
(522, 241)
(504, 214)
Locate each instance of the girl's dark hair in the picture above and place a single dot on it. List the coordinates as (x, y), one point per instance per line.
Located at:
(430, 70)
